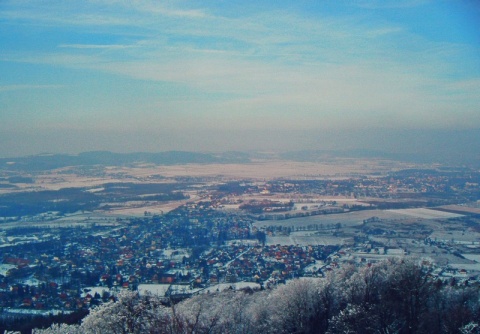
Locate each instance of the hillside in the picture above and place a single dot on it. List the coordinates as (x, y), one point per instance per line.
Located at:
(388, 297)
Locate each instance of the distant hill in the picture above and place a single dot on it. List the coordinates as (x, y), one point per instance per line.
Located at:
(53, 161)
(319, 155)
(105, 158)
(452, 158)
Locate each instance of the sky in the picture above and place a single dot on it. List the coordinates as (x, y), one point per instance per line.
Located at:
(237, 75)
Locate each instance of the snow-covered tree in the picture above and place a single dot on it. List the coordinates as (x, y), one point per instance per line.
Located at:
(470, 328)
(297, 306)
(130, 313)
(60, 329)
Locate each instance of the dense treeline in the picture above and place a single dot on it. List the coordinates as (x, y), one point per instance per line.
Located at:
(70, 200)
(395, 296)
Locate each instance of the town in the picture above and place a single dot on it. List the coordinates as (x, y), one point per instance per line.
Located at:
(202, 234)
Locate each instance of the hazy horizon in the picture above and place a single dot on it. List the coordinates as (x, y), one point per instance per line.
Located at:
(460, 146)
(399, 76)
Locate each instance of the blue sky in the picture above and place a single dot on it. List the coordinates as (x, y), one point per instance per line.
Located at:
(222, 75)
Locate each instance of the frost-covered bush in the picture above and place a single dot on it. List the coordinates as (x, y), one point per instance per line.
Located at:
(61, 329)
(131, 313)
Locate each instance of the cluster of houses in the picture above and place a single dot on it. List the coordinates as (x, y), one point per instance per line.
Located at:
(395, 185)
(191, 246)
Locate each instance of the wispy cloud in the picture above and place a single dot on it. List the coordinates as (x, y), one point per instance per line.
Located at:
(7, 88)
(112, 13)
(327, 68)
(97, 46)
(159, 8)
(32, 17)
(381, 4)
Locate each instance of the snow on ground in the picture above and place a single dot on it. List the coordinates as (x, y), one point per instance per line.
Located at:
(305, 240)
(466, 266)
(457, 237)
(5, 267)
(154, 289)
(235, 286)
(314, 266)
(32, 281)
(425, 213)
(176, 254)
(95, 289)
(348, 219)
(161, 289)
(35, 312)
(473, 257)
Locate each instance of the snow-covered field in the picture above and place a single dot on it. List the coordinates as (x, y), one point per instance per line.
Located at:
(458, 237)
(348, 219)
(473, 257)
(424, 213)
(303, 240)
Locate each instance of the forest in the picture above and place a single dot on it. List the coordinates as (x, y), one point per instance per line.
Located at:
(70, 200)
(393, 296)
